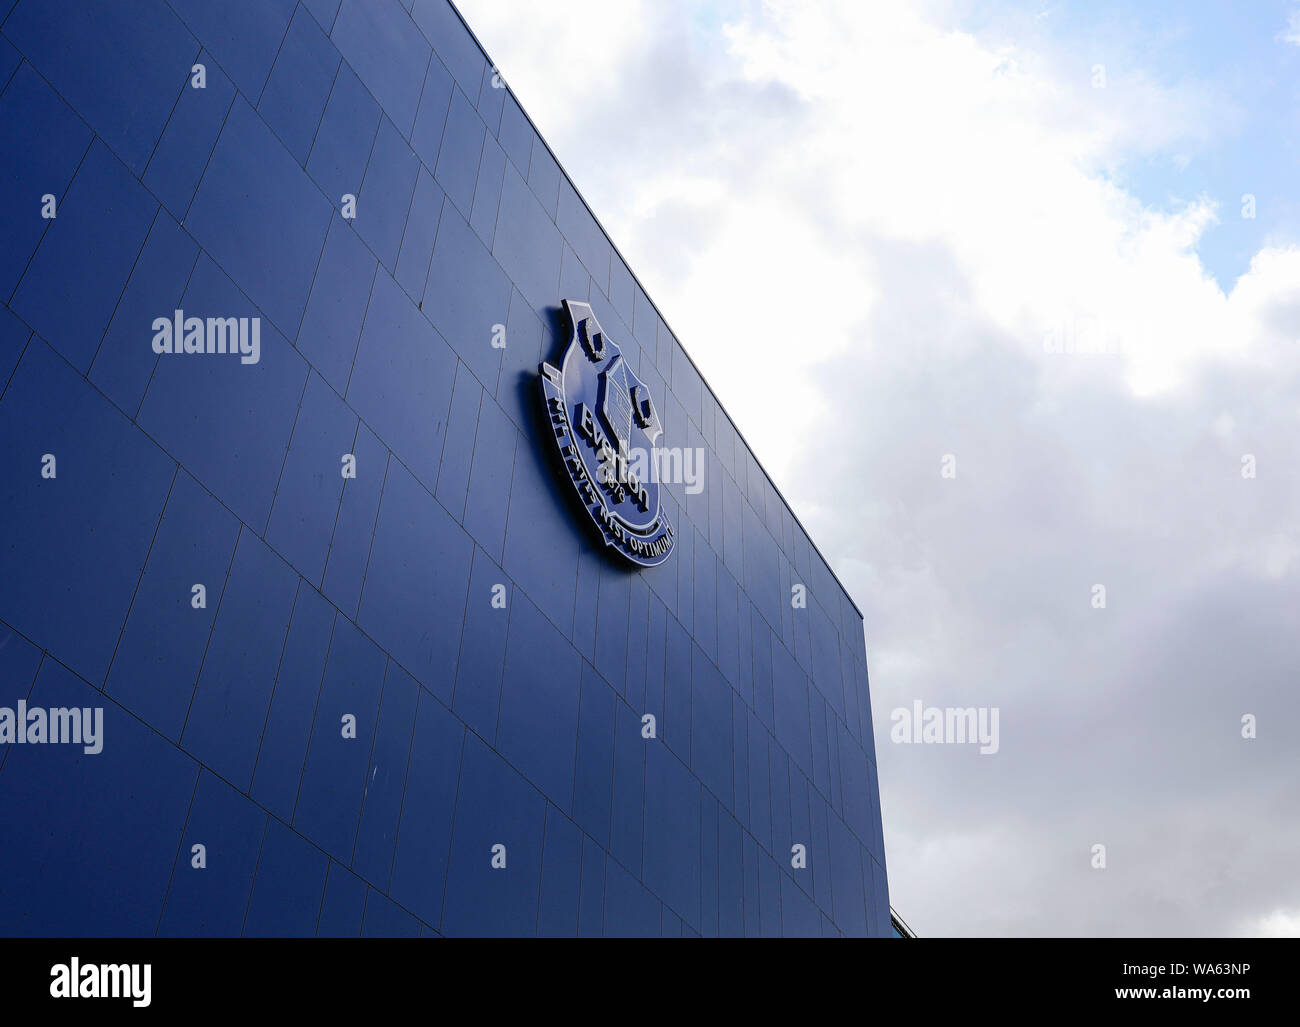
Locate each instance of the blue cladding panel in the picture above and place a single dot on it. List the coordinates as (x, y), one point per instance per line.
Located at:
(421, 231)
(391, 672)
(377, 40)
(466, 295)
(424, 837)
(591, 897)
(324, 11)
(631, 910)
(19, 661)
(9, 60)
(337, 162)
(121, 65)
(588, 240)
(544, 177)
(287, 891)
(386, 919)
(516, 135)
(402, 380)
(197, 400)
(620, 288)
(731, 879)
(158, 658)
(881, 927)
(728, 627)
(847, 882)
(311, 484)
(354, 529)
(95, 856)
(739, 760)
(516, 386)
(801, 829)
(414, 598)
(231, 700)
(541, 552)
(430, 119)
(490, 479)
(575, 282)
(790, 707)
(654, 701)
(483, 646)
(612, 596)
(710, 726)
(487, 192)
(458, 447)
(761, 648)
(676, 725)
(385, 196)
(124, 365)
(182, 153)
(244, 35)
(94, 242)
(762, 574)
(386, 778)
(500, 819)
(336, 308)
(760, 794)
(557, 913)
(821, 760)
(451, 42)
(856, 779)
(769, 897)
(210, 885)
(300, 82)
(672, 833)
(343, 905)
(833, 740)
(538, 727)
(826, 668)
(593, 785)
(527, 243)
(334, 778)
(458, 156)
(627, 826)
(638, 656)
(685, 561)
(272, 248)
(491, 97)
(297, 687)
(76, 543)
(14, 336)
(709, 866)
(779, 782)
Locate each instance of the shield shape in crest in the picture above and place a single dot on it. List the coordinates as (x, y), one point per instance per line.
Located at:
(606, 427)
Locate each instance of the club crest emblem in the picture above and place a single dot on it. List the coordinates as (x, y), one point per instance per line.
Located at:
(606, 426)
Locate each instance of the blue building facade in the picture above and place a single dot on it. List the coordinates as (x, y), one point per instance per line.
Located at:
(364, 667)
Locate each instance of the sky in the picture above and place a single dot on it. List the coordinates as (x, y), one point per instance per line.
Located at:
(1023, 281)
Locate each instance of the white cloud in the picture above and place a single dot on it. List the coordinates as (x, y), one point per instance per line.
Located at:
(1291, 34)
(889, 128)
(1280, 923)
